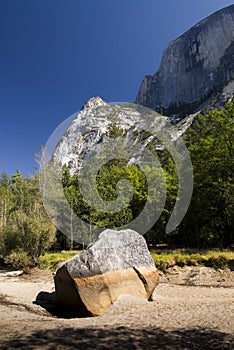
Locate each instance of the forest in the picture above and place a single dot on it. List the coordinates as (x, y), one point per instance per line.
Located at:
(26, 232)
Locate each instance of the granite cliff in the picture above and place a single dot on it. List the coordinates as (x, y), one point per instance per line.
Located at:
(98, 122)
(195, 68)
(197, 71)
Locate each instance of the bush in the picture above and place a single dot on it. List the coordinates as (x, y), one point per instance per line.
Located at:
(18, 258)
(31, 234)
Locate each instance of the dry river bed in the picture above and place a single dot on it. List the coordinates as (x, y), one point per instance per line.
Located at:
(192, 308)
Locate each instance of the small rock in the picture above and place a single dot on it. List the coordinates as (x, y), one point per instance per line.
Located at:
(14, 273)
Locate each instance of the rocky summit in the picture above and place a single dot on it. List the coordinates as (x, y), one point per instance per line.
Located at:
(195, 68)
(98, 122)
(118, 263)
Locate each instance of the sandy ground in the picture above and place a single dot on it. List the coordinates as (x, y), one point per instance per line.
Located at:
(191, 316)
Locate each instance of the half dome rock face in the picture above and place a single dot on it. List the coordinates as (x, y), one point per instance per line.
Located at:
(118, 263)
(195, 65)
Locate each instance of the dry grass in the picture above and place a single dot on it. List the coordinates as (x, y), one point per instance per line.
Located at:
(52, 260)
(162, 258)
(190, 257)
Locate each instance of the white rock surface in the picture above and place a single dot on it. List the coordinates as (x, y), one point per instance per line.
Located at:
(89, 130)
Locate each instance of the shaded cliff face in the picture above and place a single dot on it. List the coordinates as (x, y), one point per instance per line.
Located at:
(194, 66)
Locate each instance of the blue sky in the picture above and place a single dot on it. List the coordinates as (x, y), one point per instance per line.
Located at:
(55, 54)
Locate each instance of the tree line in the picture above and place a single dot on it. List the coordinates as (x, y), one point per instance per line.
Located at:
(26, 232)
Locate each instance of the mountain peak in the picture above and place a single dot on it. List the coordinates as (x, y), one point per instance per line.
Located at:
(93, 102)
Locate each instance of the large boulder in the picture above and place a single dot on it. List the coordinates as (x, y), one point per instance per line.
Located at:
(117, 263)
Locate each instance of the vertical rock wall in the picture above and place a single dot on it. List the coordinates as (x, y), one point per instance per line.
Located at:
(193, 66)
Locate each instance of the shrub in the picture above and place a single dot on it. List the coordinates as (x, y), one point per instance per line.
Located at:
(18, 258)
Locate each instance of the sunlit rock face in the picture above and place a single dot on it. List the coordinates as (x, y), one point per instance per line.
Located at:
(89, 131)
(196, 65)
(86, 131)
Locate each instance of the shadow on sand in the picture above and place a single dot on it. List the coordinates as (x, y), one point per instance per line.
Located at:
(48, 302)
(114, 337)
(121, 338)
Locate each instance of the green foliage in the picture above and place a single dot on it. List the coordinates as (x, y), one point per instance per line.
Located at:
(114, 130)
(25, 230)
(31, 233)
(106, 181)
(210, 219)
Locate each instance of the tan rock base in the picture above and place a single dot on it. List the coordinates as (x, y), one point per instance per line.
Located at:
(94, 295)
